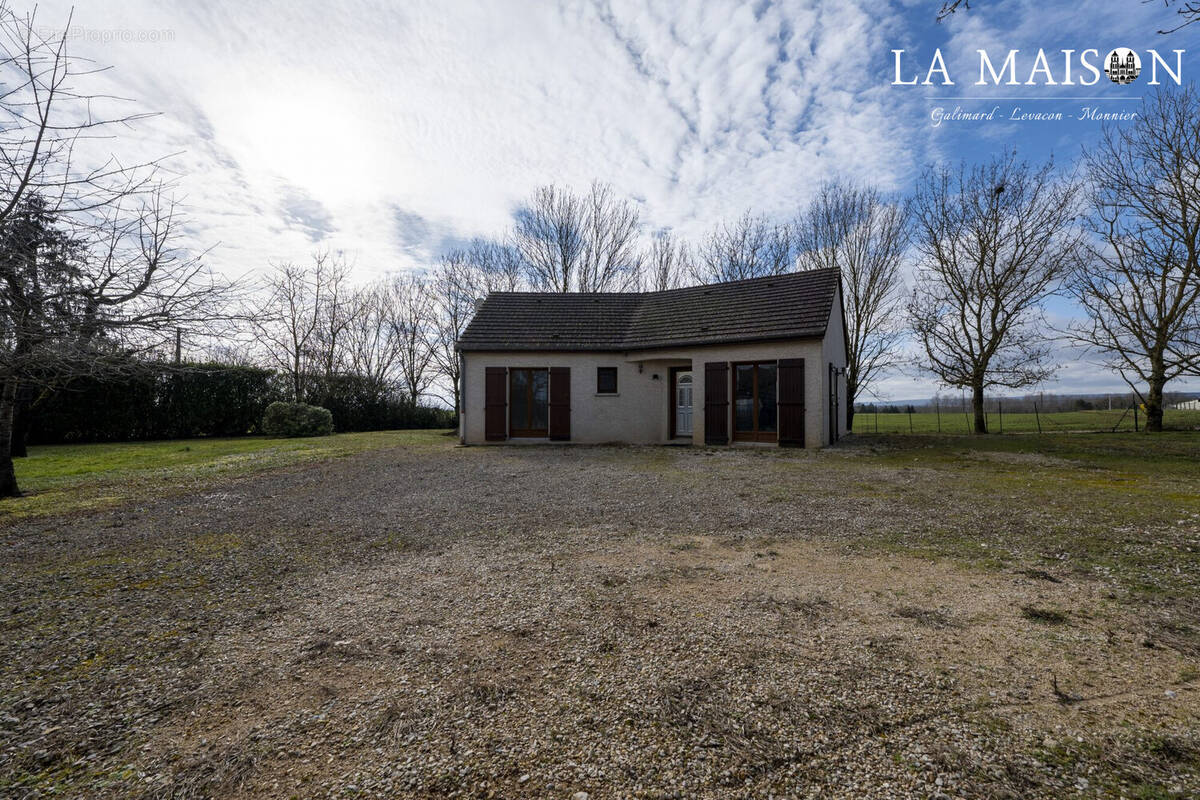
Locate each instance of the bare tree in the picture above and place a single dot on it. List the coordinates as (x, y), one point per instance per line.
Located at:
(1140, 286)
(46, 120)
(90, 268)
(288, 323)
(750, 247)
(855, 230)
(85, 301)
(992, 242)
(573, 243)
(411, 317)
(371, 350)
(667, 262)
(490, 266)
(611, 254)
(454, 292)
(335, 311)
(549, 234)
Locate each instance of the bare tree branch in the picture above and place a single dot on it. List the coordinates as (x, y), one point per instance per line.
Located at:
(573, 243)
(667, 263)
(749, 247)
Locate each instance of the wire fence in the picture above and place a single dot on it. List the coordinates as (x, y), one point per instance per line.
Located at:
(958, 419)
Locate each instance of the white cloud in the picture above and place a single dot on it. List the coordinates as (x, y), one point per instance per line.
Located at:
(391, 130)
(382, 125)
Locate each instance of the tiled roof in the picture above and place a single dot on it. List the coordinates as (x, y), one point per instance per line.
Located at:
(792, 306)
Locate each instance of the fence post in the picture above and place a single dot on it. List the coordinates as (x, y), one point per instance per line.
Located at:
(1037, 418)
(877, 418)
(937, 404)
(1000, 411)
(910, 429)
(1135, 419)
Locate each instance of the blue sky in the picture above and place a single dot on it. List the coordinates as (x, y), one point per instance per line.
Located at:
(394, 130)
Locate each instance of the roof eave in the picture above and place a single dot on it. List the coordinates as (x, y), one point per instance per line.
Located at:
(637, 348)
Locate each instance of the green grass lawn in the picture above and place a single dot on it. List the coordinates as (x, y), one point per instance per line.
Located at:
(1124, 505)
(59, 478)
(955, 421)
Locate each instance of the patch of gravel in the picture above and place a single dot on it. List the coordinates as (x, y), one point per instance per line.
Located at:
(545, 622)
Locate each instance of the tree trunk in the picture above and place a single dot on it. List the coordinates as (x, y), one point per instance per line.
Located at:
(8, 402)
(977, 407)
(1154, 401)
(21, 416)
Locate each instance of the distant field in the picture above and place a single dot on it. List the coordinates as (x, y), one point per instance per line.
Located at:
(955, 421)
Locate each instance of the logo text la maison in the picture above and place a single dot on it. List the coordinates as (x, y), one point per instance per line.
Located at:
(1065, 68)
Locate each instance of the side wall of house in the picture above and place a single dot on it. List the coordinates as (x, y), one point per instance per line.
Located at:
(834, 352)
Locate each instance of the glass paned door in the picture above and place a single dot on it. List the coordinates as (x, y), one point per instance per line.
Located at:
(743, 398)
(755, 413)
(683, 404)
(528, 402)
(765, 401)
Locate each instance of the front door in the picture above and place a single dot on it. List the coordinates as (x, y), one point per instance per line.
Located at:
(683, 404)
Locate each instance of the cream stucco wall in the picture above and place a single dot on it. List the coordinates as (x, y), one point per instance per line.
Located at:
(833, 350)
(639, 412)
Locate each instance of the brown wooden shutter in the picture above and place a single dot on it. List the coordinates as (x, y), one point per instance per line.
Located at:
(495, 402)
(791, 402)
(560, 403)
(716, 402)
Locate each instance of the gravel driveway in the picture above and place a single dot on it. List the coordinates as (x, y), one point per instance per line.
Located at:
(546, 622)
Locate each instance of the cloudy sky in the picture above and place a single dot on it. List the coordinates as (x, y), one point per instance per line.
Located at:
(393, 131)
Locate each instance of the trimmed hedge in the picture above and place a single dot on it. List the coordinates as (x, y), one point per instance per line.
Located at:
(158, 402)
(296, 419)
(165, 401)
(357, 404)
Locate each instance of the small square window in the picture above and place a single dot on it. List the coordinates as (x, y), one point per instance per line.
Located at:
(606, 380)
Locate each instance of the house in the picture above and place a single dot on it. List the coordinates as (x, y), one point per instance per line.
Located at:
(760, 360)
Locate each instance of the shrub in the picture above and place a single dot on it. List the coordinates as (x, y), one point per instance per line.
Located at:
(297, 419)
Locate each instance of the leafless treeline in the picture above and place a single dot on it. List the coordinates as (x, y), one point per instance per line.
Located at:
(986, 245)
(310, 320)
